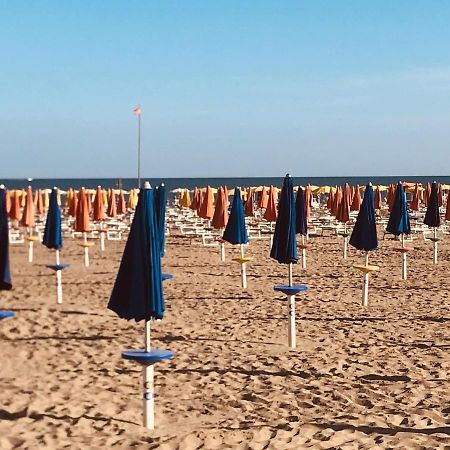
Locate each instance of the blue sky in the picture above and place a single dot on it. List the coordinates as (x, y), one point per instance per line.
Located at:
(227, 88)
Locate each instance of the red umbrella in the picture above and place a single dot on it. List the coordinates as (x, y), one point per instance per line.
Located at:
(220, 218)
(249, 207)
(356, 202)
(81, 223)
(14, 212)
(206, 210)
(263, 199)
(330, 199)
(390, 196)
(121, 205)
(343, 213)
(112, 207)
(377, 200)
(271, 211)
(196, 197)
(415, 203)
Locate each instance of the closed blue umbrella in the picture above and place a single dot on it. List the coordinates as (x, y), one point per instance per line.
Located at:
(364, 237)
(433, 218)
(53, 239)
(236, 233)
(138, 292)
(160, 204)
(5, 274)
(399, 223)
(284, 249)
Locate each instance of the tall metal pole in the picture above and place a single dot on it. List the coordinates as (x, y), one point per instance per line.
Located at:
(139, 151)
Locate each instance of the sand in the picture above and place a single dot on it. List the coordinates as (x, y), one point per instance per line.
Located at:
(370, 378)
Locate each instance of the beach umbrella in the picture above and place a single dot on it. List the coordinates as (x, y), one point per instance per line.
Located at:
(73, 204)
(8, 201)
(390, 197)
(220, 218)
(356, 201)
(5, 274)
(195, 203)
(99, 214)
(284, 250)
(399, 224)
(28, 221)
(249, 204)
(112, 207)
(236, 233)
(38, 202)
(185, 199)
(206, 209)
(14, 212)
(301, 223)
(343, 215)
(377, 199)
(121, 204)
(53, 239)
(440, 195)
(433, 218)
(415, 203)
(427, 193)
(330, 200)
(81, 223)
(271, 210)
(308, 202)
(138, 291)
(23, 198)
(160, 208)
(132, 199)
(364, 238)
(263, 200)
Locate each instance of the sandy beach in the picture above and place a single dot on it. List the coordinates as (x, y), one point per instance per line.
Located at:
(359, 379)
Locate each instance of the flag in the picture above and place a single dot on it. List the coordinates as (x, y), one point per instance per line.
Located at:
(137, 111)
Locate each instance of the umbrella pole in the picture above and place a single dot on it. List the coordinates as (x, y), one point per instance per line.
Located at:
(303, 253)
(291, 313)
(243, 269)
(222, 249)
(102, 238)
(404, 269)
(30, 251)
(148, 385)
(365, 296)
(345, 240)
(435, 247)
(86, 250)
(58, 281)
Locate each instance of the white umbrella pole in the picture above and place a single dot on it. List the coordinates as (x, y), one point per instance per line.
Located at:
(148, 385)
(243, 269)
(291, 313)
(435, 247)
(222, 250)
(303, 253)
(271, 239)
(404, 269)
(365, 294)
(58, 281)
(345, 241)
(86, 251)
(30, 251)
(102, 238)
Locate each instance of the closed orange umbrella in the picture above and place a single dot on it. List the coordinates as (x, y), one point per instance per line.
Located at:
(308, 201)
(38, 202)
(206, 210)
(336, 201)
(427, 193)
(8, 201)
(69, 196)
(263, 199)
(390, 196)
(356, 202)
(415, 203)
(28, 211)
(330, 199)
(377, 200)
(23, 198)
(89, 201)
(196, 198)
(73, 205)
(440, 195)
(112, 208)
(343, 214)
(220, 218)
(81, 223)
(14, 212)
(249, 208)
(271, 211)
(121, 205)
(99, 207)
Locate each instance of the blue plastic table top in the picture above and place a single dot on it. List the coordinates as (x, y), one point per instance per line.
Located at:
(147, 358)
(166, 276)
(57, 266)
(290, 290)
(5, 314)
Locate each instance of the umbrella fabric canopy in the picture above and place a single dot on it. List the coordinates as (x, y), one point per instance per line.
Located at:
(235, 231)
(440, 195)
(271, 211)
(5, 274)
(73, 205)
(427, 193)
(415, 203)
(185, 199)
(284, 247)
(330, 199)
(301, 221)
(160, 210)
(28, 211)
(343, 212)
(138, 292)
(38, 202)
(390, 198)
(52, 233)
(308, 201)
(112, 207)
(81, 223)
(356, 201)
(121, 204)
(377, 200)
(336, 201)
(195, 204)
(220, 217)
(99, 207)
(14, 212)
(249, 204)
(432, 217)
(364, 235)
(263, 199)
(399, 218)
(206, 210)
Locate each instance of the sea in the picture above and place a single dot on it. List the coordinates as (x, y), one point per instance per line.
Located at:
(172, 184)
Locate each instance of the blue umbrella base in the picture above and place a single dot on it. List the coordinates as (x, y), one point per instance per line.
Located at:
(166, 276)
(147, 358)
(290, 290)
(56, 267)
(5, 314)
